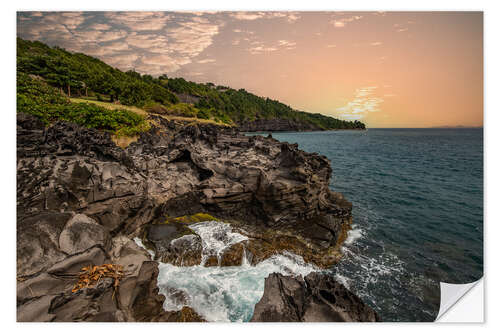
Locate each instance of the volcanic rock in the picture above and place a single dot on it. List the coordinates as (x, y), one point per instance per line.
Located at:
(315, 298)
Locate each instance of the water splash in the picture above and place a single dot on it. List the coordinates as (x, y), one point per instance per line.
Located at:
(216, 237)
(222, 293)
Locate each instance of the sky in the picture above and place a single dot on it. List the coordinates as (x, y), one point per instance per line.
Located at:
(386, 69)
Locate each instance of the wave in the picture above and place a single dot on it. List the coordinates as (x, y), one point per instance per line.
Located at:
(222, 293)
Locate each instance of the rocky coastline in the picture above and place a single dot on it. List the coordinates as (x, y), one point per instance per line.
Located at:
(82, 199)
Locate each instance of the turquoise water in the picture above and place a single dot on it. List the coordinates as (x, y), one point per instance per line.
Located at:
(417, 199)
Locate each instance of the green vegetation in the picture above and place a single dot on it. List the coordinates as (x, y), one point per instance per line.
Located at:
(37, 98)
(198, 217)
(89, 79)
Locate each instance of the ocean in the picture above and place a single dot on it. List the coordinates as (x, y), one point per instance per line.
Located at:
(417, 199)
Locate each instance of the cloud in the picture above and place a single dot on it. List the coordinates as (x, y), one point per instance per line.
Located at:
(151, 42)
(376, 43)
(97, 36)
(291, 17)
(157, 63)
(117, 46)
(140, 21)
(192, 37)
(364, 102)
(287, 44)
(70, 20)
(247, 16)
(206, 61)
(99, 26)
(126, 39)
(331, 45)
(260, 47)
(124, 61)
(341, 22)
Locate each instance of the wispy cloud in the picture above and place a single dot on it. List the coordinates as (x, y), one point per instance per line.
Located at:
(205, 61)
(262, 49)
(364, 102)
(340, 22)
(140, 21)
(289, 45)
(290, 17)
(376, 43)
(259, 47)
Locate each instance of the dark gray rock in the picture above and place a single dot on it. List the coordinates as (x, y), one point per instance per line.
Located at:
(80, 197)
(315, 298)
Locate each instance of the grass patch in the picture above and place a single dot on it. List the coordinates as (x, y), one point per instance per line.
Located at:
(110, 106)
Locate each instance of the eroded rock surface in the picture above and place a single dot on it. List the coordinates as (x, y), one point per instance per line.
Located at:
(81, 199)
(314, 298)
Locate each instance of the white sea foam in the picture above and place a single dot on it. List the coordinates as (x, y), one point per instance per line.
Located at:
(354, 234)
(222, 293)
(215, 237)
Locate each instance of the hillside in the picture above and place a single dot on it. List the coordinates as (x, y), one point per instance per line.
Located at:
(82, 76)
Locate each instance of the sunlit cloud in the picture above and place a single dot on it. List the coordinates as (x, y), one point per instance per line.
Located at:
(262, 49)
(331, 45)
(247, 16)
(341, 22)
(287, 44)
(376, 43)
(125, 39)
(206, 61)
(251, 16)
(259, 47)
(364, 102)
(140, 21)
(99, 26)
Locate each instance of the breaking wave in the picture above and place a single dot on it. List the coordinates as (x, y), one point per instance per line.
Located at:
(222, 293)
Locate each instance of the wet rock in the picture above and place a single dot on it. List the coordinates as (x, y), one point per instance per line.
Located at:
(315, 298)
(175, 243)
(233, 255)
(211, 261)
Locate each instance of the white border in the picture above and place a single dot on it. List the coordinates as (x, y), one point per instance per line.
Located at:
(491, 167)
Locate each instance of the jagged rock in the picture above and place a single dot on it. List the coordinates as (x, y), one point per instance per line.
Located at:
(315, 298)
(79, 196)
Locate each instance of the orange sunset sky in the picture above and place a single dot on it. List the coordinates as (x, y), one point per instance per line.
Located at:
(386, 69)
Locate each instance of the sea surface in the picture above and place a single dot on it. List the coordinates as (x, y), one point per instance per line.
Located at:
(417, 199)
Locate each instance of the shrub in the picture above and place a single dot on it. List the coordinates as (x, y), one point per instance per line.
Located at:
(35, 97)
(156, 108)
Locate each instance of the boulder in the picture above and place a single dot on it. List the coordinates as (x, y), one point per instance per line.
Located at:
(314, 298)
(80, 233)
